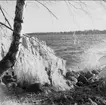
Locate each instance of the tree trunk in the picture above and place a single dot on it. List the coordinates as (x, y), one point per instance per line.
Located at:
(9, 60)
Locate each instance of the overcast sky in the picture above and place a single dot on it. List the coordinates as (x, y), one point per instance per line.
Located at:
(90, 15)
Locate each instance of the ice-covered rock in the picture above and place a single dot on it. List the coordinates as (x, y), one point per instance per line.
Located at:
(36, 63)
(5, 41)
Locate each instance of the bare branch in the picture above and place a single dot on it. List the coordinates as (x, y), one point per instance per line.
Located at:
(71, 13)
(6, 26)
(47, 8)
(79, 8)
(5, 17)
(7, 13)
(73, 5)
(81, 2)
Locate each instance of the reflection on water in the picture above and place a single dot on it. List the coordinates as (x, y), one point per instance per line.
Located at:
(89, 51)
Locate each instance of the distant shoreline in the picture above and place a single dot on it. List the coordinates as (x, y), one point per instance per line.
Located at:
(70, 32)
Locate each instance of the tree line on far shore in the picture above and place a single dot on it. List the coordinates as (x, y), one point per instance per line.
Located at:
(85, 32)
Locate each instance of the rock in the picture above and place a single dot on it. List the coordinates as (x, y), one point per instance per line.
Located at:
(79, 83)
(88, 74)
(36, 88)
(12, 85)
(73, 79)
(72, 76)
(83, 79)
(95, 78)
(5, 41)
(36, 63)
(96, 72)
(72, 73)
(8, 78)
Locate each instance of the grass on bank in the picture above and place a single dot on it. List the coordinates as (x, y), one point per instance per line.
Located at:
(93, 93)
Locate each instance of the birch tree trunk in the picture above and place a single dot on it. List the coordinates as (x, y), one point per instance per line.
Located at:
(9, 60)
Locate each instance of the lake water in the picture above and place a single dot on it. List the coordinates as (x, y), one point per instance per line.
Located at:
(80, 51)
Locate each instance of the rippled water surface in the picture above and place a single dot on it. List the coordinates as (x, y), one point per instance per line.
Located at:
(78, 50)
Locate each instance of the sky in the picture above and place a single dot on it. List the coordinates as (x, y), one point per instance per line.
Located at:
(71, 16)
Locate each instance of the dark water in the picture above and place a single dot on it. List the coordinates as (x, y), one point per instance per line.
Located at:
(71, 47)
